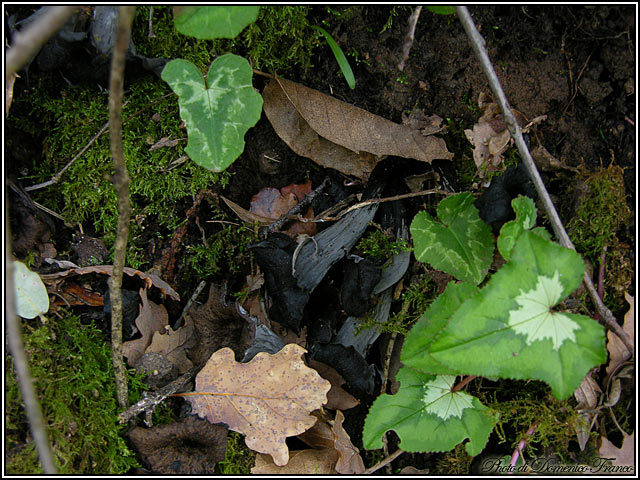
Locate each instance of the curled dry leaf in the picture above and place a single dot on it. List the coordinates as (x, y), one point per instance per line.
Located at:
(337, 398)
(190, 446)
(172, 344)
(267, 399)
(615, 347)
(152, 318)
(149, 278)
(337, 135)
(587, 394)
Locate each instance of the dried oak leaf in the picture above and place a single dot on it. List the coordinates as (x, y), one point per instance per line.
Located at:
(273, 203)
(615, 347)
(267, 399)
(623, 456)
(172, 344)
(192, 446)
(337, 135)
(152, 318)
(311, 461)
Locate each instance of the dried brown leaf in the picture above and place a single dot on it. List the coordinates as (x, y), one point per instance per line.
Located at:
(270, 203)
(337, 135)
(410, 470)
(311, 462)
(623, 456)
(152, 318)
(8, 89)
(587, 394)
(267, 399)
(337, 398)
(172, 344)
(164, 142)
(615, 347)
(349, 459)
(246, 215)
(149, 278)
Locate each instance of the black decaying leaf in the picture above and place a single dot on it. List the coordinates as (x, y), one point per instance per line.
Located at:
(190, 447)
(348, 363)
(361, 275)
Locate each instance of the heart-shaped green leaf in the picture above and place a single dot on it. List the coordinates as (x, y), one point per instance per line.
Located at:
(509, 329)
(461, 245)
(32, 298)
(427, 416)
(219, 112)
(415, 351)
(208, 23)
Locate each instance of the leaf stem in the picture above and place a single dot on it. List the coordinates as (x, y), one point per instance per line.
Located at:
(463, 383)
(518, 450)
(383, 462)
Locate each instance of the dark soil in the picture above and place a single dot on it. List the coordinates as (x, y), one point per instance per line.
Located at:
(574, 64)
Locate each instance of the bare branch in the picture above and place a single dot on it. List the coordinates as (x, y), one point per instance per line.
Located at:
(121, 184)
(478, 45)
(27, 43)
(21, 366)
(408, 39)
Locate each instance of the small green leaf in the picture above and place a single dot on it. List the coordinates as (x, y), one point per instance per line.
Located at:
(461, 245)
(415, 351)
(345, 68)
(525, 220)
(208, 23)
(32, 298)
(509, 329)
(219, 112)
(427, 416)
(441, 10)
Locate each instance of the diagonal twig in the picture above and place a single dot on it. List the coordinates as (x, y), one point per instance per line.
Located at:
(478, 45)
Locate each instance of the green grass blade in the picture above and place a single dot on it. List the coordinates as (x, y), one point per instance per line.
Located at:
(340, 57)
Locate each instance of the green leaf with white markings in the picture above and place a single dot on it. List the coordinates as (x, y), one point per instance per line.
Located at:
(510, 329)
(217, 112)
(32, 298)
(415, 350)
(208, 23)
(525, 220)
(427, 416)
(461, 245)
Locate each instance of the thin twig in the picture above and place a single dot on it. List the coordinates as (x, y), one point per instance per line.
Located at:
(478, 45)
(29, 41)
(463, 383)
(408, 39)
(187, 307)
(383, 462)
(21, 366)
(121, 184)
(150, 402)
(601, 270)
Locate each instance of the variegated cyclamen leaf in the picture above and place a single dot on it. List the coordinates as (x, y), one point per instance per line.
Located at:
(427, 416)
(510, 329)
(415, 350)
(211, 22)
(461, 245)
(217, 112)
(525, 220)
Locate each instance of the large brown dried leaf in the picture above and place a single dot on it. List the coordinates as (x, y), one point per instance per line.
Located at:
(311, 462)
(152, 318)
(267, 399)
(337, 135)
(623, 456)
(616, 348)
(349, 459)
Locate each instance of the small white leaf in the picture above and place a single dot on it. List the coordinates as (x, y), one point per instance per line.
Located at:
(31, 295)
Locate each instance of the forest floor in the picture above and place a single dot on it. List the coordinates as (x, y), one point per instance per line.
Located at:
(574, 65)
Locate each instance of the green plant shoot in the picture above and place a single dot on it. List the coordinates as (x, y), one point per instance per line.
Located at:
(345, 68)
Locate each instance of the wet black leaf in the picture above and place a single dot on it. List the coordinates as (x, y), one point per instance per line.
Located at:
(349, 363)
(361, 275)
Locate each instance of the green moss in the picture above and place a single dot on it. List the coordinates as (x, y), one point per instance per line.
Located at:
(601, 213)
(381, 244)
(238, 458)
(71, 365)
(455, 462)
